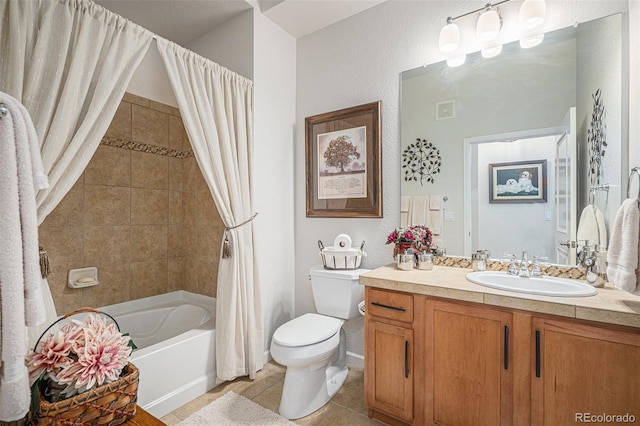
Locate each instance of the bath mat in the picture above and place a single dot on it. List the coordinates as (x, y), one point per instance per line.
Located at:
(233, 409)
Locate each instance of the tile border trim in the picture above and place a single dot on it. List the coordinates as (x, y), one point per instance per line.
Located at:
(143, 147)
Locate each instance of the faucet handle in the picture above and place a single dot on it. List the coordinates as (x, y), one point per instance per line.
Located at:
(512, 269)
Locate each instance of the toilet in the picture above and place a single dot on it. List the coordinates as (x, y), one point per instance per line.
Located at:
(313, 346)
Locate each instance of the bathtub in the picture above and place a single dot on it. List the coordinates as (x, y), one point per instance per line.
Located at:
(175, 335)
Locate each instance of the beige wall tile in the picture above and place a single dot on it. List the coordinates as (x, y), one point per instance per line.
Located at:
(120, 127)
(113, 287)
(148, 243)
(148, 278)
(176, 174)
(70, 211)
(149, 170)
(107, 245)
(189, 208)
(208, 242)
(175, 207)
(107, 205)
(149, 206)
(62, 243)
(178, 135)
(191, 171)
(207, 276)
(175, 239)
(175, 274)
(190, 274)
(149, 126)
(109, 166)
(135, 99)
(167, 109)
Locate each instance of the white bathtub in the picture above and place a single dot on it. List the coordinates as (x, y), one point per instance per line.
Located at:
(175, 335)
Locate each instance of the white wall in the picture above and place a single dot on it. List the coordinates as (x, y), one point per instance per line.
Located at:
(274, 117)
(231, 44)
(359, 60)
(150, 80)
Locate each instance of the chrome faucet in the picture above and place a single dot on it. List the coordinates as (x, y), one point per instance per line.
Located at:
(591, 262)
(523, 272)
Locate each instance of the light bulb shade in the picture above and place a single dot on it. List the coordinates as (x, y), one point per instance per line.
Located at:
(532, 13)
(456, 61)
(491, 52)
(449, 38)
(532, 41)
(488, 26)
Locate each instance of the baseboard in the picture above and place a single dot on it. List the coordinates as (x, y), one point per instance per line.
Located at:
(355, 360)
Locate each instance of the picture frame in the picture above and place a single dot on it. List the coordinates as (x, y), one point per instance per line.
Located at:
(518, 182)
(344, 162)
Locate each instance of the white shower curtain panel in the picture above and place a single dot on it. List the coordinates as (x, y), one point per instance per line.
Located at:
(69, 62)
(217, 110)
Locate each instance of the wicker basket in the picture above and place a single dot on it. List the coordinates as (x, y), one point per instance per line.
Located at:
(110, 404)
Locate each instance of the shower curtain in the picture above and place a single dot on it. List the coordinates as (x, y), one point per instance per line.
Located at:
(69, 62)
(217, 110)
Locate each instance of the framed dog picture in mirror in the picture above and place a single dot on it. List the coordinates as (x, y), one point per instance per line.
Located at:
(518, 182)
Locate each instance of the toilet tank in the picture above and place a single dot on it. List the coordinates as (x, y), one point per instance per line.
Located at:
(337, 292)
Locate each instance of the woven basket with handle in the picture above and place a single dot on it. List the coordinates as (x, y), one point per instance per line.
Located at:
(110, 404)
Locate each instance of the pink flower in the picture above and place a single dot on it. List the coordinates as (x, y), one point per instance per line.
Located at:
(81, 355)
(100, 360)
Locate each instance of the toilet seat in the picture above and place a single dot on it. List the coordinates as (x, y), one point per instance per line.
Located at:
(307, 329)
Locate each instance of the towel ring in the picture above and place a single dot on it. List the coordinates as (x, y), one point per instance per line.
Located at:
(634, 170)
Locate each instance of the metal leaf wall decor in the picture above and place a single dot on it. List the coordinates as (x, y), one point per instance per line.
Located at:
(596, 138)
(421, 160)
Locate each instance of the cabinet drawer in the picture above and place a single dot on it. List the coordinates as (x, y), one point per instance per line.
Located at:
(389, 304)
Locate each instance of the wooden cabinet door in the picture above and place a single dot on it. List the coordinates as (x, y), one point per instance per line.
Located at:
(581, 370)
(468, 374)
(389, 369)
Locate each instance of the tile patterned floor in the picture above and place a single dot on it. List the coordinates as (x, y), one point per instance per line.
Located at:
(346, 408)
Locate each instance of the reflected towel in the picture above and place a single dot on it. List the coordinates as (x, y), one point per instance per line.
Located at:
(591, 226)
(419, 210)
(622, 257)
(435, 202)
(405, 210)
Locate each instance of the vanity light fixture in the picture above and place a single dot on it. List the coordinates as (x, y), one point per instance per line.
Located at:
(532, 13)
(449, 37)
(532, 41)
(491, 52)
(456, 61)
(489, 24)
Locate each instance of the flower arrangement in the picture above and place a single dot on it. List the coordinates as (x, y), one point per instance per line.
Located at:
(79, 356)
(418, 236)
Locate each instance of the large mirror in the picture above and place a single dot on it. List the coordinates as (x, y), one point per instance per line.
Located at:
(525, 114)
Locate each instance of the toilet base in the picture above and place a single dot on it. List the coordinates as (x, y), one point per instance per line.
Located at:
(307, 389)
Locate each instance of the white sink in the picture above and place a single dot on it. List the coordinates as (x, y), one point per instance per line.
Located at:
(546, 286)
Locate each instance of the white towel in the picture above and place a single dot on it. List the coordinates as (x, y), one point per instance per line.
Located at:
(419, 210)
(622, 257)
(591, 226)
(435, 202)
(20, 296)
(405, 210)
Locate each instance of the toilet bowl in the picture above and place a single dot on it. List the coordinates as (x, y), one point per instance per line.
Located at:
(313, 346)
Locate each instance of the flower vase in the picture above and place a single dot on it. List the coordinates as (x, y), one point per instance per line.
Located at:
(402, 247)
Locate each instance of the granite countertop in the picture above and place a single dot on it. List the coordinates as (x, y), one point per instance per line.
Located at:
(610, 305)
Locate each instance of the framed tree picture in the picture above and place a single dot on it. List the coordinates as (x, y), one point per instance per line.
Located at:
(343, 163)
(518, 182)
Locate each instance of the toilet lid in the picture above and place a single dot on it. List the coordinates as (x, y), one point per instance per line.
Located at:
(307, 330)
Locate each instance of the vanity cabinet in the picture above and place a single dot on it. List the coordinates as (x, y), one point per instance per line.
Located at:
(389, 347)
(468, 364)
(437, 361)
(583, 370)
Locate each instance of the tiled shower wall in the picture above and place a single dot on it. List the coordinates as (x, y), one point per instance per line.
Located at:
(146, 220)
